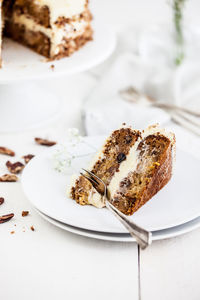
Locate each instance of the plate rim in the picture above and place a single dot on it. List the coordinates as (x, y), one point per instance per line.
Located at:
(156, 235)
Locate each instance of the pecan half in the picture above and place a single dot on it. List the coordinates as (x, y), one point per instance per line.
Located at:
(44, 142)
(14, 168)
(1, 201)
(6, 151)
(27, 157)
(25, 213)
(6, 218)
(8, 178)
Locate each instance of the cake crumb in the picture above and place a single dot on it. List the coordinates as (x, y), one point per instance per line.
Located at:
(25, 213)
(52, 67)
(32, 228)
(1, 200)
(12, 232)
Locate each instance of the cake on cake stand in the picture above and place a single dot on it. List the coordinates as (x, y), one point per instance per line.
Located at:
(24, 102)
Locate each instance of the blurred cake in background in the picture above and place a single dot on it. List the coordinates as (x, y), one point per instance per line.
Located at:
(52, 28)
(1, 29)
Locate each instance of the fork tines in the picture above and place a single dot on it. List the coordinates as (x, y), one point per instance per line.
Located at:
(94, 177)
(93, 182)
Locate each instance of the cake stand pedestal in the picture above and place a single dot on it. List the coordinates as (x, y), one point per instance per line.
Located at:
(24, 103)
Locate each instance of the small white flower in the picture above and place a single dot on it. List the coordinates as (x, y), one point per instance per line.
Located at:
(62, 160)
(74, 137)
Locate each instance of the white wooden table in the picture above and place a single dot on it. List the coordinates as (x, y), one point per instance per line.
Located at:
(50, 263)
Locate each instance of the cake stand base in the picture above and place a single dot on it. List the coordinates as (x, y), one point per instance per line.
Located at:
(27, 106)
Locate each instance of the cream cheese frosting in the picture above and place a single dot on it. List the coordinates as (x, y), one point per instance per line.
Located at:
(128, 165)
(63, 8)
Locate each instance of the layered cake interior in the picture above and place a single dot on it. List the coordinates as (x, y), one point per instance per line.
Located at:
(1, 31)
(134, 165)
(52, 28)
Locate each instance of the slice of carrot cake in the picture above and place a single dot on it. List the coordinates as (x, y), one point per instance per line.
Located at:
(135, 165)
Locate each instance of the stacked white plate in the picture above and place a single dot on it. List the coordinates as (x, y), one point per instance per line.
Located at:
(173, 211)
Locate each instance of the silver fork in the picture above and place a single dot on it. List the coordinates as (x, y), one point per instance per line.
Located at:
(183, 116)
(142, 236)
(132, 95)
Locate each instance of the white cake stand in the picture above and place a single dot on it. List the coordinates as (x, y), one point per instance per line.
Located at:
(24, 103)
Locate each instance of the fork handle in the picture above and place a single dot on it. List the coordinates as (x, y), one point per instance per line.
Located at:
(175, 107)
(186, 124)
(142, 236)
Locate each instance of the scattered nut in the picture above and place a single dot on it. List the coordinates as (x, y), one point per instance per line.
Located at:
(6, 218)
(12, 232)
(52, 67)
(1, 200)
(8, 178)
(14, 168)
(6, 151)
(32, 228)
(44, 142)
(28, 157)
(25, 213)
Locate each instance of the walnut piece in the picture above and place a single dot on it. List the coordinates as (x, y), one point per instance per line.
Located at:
(44, 142)
(27, 157)
(32, 228)
(8, 178)
(6, 151)
(14, 168)
(25, 213)
(6, 218)
(1, 201)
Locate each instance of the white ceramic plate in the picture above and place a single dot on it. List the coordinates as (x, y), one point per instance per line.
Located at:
(177, 203)
(21, 63)
(123, 237)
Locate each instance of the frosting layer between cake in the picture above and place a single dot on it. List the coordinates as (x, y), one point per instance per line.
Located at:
(57, 34)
